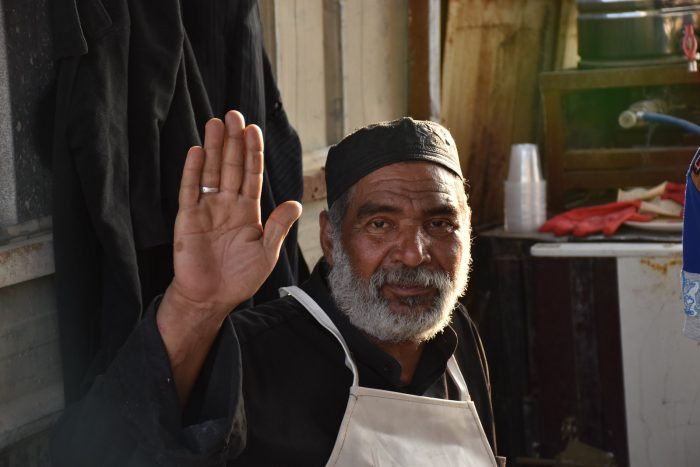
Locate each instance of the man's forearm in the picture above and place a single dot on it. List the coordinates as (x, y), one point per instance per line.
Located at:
(188, 331)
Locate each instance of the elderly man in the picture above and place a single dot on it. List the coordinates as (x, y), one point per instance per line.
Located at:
(370, 362)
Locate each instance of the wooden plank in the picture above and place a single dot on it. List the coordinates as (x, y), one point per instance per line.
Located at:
(301, 35)
(267, 18)
(424, 59)
(628, 158)
(553, 144)
(617, 78)
(300, 67)
(375, 61)
(493, 53)
(611, 178)
(567, 37)
(333, 67)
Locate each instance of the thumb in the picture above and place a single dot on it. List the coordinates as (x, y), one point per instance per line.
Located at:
(278, 225)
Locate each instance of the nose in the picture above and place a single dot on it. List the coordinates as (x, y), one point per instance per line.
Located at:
(411, 248)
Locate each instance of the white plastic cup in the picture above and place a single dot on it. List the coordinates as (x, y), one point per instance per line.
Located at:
(525, 192)
(525, 208)
(524, 164)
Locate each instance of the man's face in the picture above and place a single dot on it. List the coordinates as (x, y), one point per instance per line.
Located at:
(406, 233)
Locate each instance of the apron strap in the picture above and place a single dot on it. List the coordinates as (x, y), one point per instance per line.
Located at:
(456, 374)
(323, 319)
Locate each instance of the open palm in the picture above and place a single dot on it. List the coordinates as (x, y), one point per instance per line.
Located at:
(223, 253)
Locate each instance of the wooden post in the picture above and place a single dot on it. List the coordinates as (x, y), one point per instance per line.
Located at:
(490, 100)
(424, 59)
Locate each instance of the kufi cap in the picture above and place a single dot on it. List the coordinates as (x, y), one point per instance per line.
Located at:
(374, 146)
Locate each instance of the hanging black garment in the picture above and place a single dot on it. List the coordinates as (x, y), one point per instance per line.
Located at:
(227, 40)
(130, 101)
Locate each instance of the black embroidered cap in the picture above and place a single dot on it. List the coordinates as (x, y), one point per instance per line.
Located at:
(380, 144)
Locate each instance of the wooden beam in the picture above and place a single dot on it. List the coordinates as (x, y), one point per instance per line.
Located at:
(424, 59)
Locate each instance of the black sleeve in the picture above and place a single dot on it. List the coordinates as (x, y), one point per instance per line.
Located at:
(130, 417)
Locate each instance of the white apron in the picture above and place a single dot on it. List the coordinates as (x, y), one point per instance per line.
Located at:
(386, 428)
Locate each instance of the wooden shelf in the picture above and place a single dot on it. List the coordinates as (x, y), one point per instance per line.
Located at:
(607, 167)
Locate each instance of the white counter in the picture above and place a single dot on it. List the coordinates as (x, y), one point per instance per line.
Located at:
(661, 367)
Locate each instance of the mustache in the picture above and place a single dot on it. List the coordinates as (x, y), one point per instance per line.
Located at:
(410, 277)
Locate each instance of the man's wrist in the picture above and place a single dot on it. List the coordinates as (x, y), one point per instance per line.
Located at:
(185, 324)
(194, 313)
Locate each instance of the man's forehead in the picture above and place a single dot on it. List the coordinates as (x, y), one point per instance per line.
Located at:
(425, 184)
(413, 176)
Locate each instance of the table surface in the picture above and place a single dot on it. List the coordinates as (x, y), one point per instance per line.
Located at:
(623, 235)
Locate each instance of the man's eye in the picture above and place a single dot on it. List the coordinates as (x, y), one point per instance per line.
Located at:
(379, 226)
(441, 226)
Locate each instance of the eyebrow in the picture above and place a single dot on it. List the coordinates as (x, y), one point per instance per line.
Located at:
(372, 208)
(443, 210)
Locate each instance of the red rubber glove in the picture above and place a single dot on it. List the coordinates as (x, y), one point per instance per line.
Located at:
(606, 218)
(675, 192)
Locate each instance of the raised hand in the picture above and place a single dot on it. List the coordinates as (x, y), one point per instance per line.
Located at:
(222, 252)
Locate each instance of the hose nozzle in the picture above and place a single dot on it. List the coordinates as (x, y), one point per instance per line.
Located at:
(628, 119)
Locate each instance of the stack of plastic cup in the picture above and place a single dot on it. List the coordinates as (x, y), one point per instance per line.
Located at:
(525, 193)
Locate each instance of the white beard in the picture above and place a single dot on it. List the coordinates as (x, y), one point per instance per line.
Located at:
(370, 312)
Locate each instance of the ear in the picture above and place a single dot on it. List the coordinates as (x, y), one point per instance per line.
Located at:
(326, 242)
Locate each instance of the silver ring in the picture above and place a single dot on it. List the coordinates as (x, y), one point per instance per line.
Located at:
(208, 189)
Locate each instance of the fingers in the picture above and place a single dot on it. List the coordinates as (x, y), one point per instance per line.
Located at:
(233, 156)
(213, 142)
(251, 185)
(191, 175)
(234, 152)
(278, 225)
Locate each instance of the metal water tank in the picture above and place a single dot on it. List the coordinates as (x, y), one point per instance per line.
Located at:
(614, 33)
